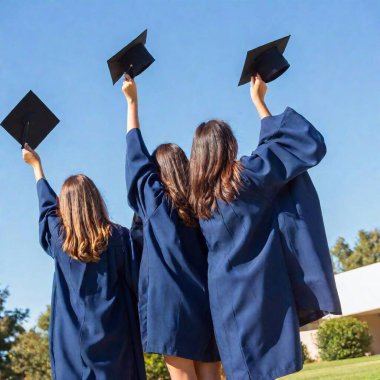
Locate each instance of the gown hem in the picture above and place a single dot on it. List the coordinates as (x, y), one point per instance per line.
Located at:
(182, 354)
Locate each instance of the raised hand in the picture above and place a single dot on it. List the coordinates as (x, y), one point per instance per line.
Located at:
(129, 89)
(30, 156)
(258, 90)
(33, 159)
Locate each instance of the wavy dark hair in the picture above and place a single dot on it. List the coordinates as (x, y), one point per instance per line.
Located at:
(173, 166)
(214, 169)
(85, 220)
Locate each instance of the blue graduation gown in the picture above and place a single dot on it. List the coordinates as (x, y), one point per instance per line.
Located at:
(174, 309)
(306, 250)
(305, 244)
(94, 329)
(251, 284)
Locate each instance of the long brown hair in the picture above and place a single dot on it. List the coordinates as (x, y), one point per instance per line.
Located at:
(85, 220)
(173, 168)
(214, 170)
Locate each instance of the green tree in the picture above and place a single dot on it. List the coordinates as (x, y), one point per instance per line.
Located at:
(342, 338)
(156, 367)
(366, 251)
(29, 356)
(10, 329)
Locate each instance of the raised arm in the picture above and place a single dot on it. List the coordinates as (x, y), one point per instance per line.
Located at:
(144, 187)
(289, 145)
(258, 90)
(33, 159)
(130, 92)
(48, 220)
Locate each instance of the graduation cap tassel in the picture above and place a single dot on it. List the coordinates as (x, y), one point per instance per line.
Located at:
(25, 133)
(130, 71)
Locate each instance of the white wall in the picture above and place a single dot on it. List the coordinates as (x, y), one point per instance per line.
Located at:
(359, 289)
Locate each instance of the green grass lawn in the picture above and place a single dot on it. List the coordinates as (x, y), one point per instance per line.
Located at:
(365, 368)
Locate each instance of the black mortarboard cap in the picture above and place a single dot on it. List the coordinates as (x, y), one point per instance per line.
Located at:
(30, 121)
(266, 60)
(132, 59)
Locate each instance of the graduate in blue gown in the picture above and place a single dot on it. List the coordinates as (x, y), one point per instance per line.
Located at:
(174, 308)
(94, 328)
(269, 264)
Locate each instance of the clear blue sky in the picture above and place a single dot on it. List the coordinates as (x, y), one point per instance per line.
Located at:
(59, 50)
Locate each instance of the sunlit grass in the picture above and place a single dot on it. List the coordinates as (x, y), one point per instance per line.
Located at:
(365, 368)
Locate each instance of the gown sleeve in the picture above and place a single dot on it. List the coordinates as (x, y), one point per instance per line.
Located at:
(137, 233)
(144, 186)
(289, 145)
(131, 262)
(48, 220)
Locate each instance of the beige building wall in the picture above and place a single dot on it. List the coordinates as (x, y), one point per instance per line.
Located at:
(373, 321)
(309, 339)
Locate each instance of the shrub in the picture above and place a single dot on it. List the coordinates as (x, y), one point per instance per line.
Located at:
(156, 367)
(341, 338)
